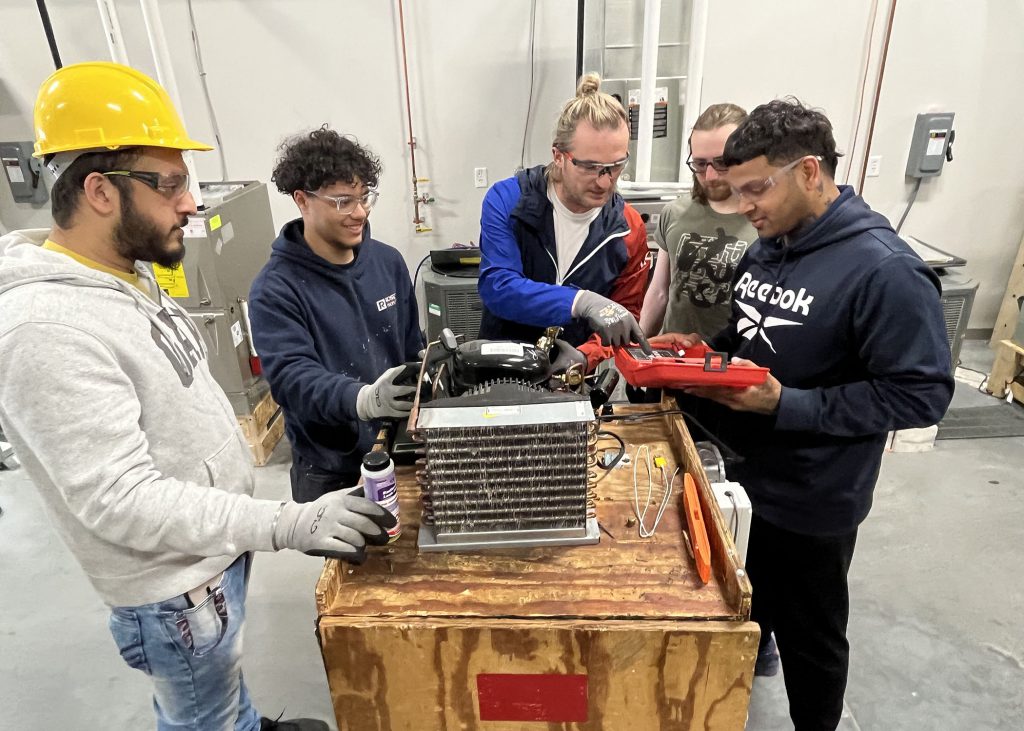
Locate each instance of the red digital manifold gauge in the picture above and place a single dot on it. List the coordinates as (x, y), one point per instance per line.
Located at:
(697, 365)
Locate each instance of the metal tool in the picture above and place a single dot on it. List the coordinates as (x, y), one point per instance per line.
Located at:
(698, 534)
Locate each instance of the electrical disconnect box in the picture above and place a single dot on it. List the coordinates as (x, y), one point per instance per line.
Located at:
(23, 172)
(930, 146)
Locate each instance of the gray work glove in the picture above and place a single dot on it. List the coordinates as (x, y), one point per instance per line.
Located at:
(383, 399)
(565, 358)
(336, 525)
(613, 322)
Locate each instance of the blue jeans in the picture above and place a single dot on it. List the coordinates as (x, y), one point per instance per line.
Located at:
(193, 655)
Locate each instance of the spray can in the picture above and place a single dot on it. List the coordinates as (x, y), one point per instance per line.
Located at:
(379, 486)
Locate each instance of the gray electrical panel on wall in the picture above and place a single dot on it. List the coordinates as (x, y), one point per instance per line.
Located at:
(930, 146)
(22, 172)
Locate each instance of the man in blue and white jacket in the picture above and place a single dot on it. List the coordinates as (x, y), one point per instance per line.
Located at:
(848, 319)
(333, 314)
(558, 244)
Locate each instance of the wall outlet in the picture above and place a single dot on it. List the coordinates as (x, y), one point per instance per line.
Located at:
(874, 166)
(480, 177)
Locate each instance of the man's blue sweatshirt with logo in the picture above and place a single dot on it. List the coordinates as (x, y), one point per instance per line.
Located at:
(848, 318)
(323, 331)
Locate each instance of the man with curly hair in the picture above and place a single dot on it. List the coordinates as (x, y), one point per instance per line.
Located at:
(848, 319)
(333, 313)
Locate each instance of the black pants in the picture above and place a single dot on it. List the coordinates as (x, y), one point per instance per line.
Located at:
(800, 593)
(310, 482)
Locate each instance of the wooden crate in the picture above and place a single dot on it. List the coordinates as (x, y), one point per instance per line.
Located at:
(620, 635)
(263, 428)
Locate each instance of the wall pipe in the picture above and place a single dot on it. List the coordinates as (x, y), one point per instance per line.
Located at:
(580, 10)
(648, 78)
(417, 199)
(877, 96)
(44, 15)
(165, 75)
(112, 31)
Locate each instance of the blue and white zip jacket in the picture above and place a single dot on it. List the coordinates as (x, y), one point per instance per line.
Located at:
(519, 284)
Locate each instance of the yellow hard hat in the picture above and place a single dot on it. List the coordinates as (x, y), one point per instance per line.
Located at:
(100, 105)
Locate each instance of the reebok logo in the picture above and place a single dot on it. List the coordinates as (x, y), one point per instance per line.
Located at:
(751, 324)
(387, 302)
(787, 299)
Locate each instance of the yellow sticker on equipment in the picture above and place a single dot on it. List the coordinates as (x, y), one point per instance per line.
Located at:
(215, 223)
(171, 280)
(469, 260)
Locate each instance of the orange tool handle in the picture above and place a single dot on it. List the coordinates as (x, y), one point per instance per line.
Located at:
(698, 532)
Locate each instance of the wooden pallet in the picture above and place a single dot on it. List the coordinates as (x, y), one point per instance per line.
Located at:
(1005, 366)
(1007, 371)
(263, 429)
(1009, 310)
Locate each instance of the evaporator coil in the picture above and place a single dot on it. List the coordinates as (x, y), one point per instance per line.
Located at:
(507, 464)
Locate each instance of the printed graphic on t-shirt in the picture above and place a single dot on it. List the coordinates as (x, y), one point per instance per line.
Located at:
(706, 265)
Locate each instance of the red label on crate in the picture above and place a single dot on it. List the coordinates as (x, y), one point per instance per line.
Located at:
(534, 697)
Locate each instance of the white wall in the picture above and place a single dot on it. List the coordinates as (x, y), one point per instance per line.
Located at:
(757, 51)
(967, 58)
(275, 68)
(944, 55)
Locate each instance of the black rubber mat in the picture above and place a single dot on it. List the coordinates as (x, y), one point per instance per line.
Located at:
(982, 422)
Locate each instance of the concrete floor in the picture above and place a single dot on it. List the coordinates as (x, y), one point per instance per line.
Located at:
(936, 630)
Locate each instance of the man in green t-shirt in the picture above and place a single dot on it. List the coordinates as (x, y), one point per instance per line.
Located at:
(703, 238)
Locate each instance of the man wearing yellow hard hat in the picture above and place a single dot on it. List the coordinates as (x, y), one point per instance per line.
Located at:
(108, 400)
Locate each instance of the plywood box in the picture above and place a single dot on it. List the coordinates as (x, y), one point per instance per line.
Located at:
(620, 635)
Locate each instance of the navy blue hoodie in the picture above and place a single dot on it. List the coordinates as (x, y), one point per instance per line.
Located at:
(848, 318)
(325, 330)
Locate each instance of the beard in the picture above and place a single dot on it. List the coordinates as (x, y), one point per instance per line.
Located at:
(717, 190)
(137, 238)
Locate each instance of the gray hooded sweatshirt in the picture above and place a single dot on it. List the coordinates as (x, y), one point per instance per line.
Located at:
(108, 400)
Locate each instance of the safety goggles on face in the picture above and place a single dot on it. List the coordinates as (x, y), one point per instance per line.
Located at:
(171, 186)
(700, 167)
(756, 189)
(347, 203)
(597, 169)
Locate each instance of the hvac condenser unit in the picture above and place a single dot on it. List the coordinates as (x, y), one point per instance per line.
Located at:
(452, 302)
(957, 300)
(226, 245)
